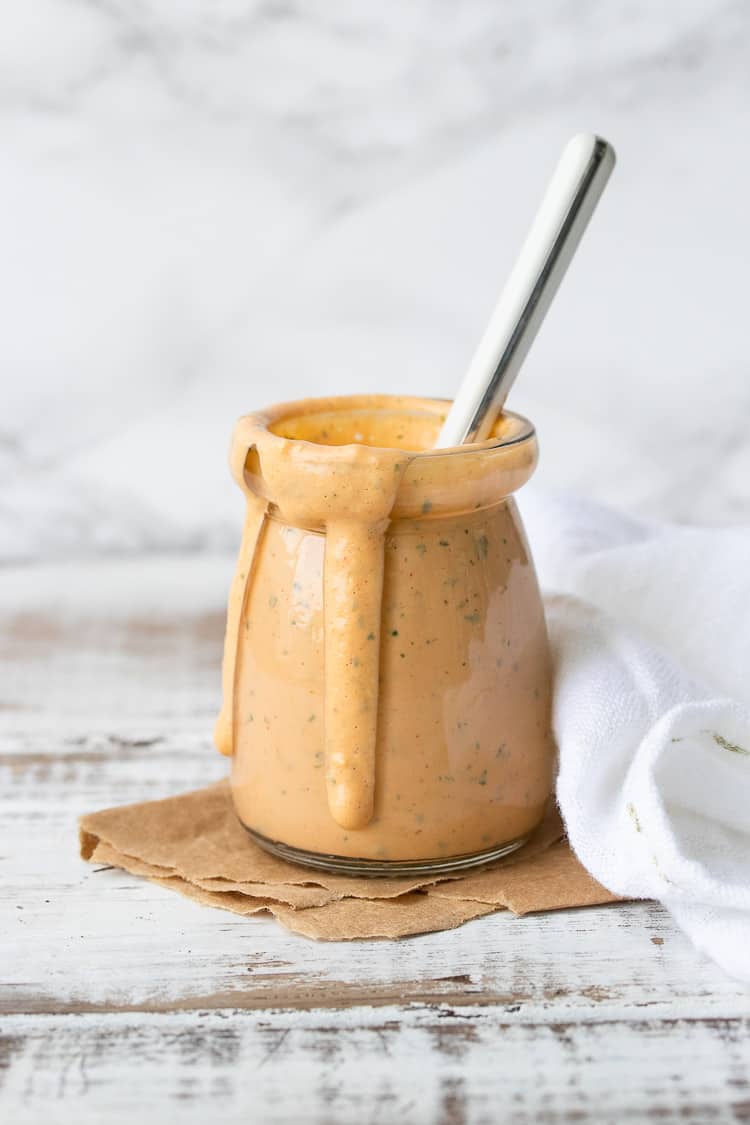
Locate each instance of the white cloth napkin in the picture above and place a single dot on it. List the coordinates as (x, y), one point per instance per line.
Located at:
(650, 631)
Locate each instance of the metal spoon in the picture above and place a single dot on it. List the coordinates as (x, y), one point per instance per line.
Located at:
(569, 202)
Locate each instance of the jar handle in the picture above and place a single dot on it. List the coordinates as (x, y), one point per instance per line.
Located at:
(255, 519)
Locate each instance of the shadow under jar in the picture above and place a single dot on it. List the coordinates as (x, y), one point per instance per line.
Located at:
(386, 668)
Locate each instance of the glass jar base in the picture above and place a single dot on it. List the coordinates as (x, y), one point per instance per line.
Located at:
(346, 865)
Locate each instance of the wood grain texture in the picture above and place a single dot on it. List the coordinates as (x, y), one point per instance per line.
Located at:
(120, 999)
(424, 1065)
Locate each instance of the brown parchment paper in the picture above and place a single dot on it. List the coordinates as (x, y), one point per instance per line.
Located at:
(194, 844)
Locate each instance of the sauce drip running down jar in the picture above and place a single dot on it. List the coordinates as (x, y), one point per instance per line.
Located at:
(386, 670)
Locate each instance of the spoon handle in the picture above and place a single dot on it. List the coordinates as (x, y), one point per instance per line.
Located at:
(568, 204)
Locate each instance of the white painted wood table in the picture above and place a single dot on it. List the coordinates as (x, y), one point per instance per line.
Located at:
(121, 1001)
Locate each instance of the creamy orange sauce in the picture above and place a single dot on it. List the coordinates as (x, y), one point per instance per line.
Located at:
(386, 675)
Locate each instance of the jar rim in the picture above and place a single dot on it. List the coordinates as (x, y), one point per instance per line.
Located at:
(517, 428)
(271, 455)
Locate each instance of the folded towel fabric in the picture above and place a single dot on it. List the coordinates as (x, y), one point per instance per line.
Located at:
(650, 631)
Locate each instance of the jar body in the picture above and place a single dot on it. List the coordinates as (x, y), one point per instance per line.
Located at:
(463, 753)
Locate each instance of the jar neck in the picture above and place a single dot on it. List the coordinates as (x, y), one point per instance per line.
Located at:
(315, 483)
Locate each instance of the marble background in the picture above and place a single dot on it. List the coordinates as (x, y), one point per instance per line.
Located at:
(208, 206)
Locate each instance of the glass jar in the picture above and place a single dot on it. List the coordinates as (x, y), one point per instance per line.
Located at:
(386, 671)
